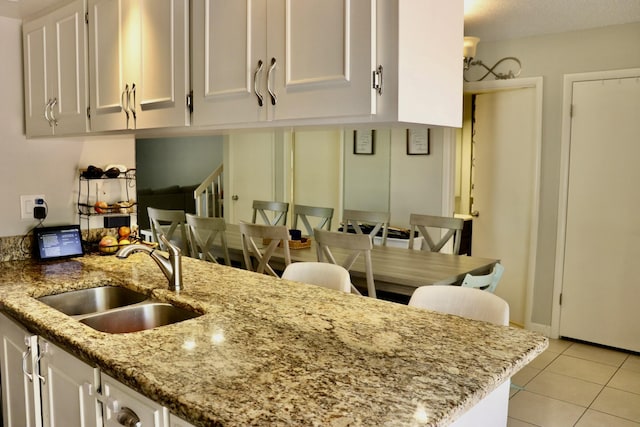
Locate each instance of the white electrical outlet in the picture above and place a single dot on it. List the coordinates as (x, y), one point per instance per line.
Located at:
(27, 203)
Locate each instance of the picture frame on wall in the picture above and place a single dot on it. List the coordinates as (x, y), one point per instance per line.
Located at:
(364, 141)
(418, 142)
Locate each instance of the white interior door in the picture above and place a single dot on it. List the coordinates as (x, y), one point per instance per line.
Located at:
(504, 188)
(600, 284)
(250, 173)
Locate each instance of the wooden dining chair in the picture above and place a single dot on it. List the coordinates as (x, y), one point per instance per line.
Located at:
(323, 274)
(465, 302)
(353, 245)
(277, 210)
(453, 227)
(204, 234)
(303, 212)
(487, 282)
(171, 223)
(259, 242)
(356, 218)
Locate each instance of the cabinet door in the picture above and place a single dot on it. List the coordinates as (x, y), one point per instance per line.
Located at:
(106, 65)
(36, 90)
(67, 69)
(69, 390)
(229, 62)
(118, 397)
(162, 79)
(321, 60)
(20, 394)
(54, 72)
(178, 422)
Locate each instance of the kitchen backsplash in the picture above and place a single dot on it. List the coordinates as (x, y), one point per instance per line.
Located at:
(15, 248)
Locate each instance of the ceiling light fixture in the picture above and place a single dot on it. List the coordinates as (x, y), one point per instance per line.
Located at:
(469, 53)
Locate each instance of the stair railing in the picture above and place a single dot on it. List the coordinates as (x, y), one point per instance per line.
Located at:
(208, 195)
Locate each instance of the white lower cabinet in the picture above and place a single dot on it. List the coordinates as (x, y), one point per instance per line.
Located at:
(43, 385)
(20, 394)
(123, 406)
(178, 422)
(69, 389)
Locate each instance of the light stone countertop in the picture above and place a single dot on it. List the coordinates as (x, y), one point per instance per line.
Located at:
(273, 352)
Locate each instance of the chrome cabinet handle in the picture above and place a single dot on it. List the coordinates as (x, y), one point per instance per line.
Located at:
(128, 418)
(54, 120)
(133, 108)
(24, 364)
(274, 98)
(256, 76)
(125, 106)
(46, 111)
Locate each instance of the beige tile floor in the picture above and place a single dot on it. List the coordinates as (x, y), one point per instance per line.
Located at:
(575, 384)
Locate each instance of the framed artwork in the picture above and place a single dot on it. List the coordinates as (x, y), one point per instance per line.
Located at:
(364, 141)
(418, 142)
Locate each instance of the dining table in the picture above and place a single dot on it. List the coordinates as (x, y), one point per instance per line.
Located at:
(395, 270)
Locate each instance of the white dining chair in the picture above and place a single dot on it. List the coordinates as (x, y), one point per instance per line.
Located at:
(207, 237)
(171, 223)
(352, 245)
(277, 210)
(259, 242)
(323, 274)
(487, 282)
(323, 217)
(356, 218)
(465, 302)
(453, 227)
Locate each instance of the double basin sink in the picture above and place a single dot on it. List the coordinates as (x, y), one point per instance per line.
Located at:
(116, 310)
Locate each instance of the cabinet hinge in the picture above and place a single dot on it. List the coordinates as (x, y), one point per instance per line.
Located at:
(561, 299)
(86, 18)
(190, 101)
(88, 112)
(377, 79)
(571, 111)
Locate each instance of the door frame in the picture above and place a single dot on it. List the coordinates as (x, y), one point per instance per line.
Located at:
(449, 182)
(563, 191)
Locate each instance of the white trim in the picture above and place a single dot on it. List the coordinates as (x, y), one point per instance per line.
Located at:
(448, 171)
(537, 84)
(565, 146)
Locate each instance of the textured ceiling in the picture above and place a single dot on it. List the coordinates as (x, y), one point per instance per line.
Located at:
(509, 19)
(487, 19)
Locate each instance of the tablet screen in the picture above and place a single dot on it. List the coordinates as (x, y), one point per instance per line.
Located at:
(58, 242)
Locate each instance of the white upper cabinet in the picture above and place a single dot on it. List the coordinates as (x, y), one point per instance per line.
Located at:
(55, 72)
(138, 63)
(327, 62)
(264, 60)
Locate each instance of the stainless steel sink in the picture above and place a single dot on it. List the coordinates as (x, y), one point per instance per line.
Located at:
(138, 318)
(93, 300)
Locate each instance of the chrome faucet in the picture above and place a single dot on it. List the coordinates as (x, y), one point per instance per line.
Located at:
(171, 266)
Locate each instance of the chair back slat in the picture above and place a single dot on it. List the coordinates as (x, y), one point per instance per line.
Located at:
(171, 223)
(204, 234)
(303, 212)
(356, 218)
(278, 210)
(453, 227)
(352, 245)
(254, 236)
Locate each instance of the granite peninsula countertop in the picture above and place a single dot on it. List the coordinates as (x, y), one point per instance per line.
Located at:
(273, 352)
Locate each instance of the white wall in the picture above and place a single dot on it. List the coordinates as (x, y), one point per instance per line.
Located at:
(41, 166)
(552, 57)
